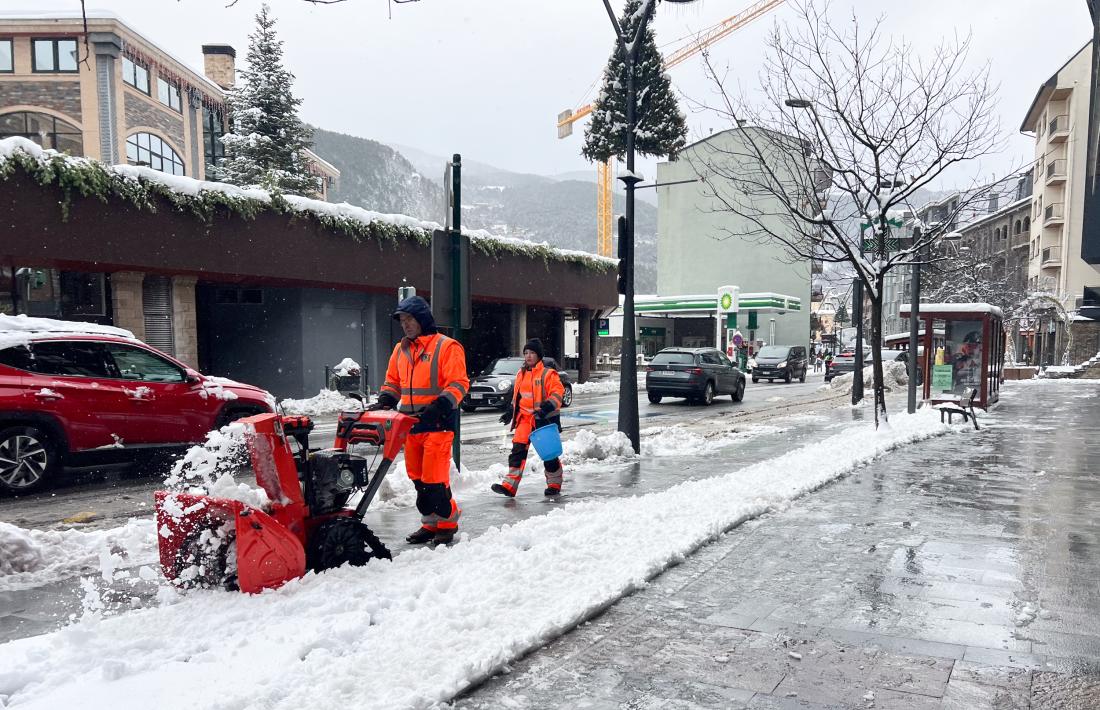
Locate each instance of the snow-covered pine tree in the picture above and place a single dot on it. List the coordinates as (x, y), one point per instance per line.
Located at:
(661, 129)
(266, 143)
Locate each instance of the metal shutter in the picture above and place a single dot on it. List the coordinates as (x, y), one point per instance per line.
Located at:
(157, 308)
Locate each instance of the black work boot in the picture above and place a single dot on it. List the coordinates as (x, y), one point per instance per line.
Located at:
(421, 536)
(552, 491)
(443, 537)
(497, 488)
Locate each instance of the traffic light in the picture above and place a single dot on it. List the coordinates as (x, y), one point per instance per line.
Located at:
(626, 258)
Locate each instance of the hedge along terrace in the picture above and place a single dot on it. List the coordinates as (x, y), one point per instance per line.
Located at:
(140, 185)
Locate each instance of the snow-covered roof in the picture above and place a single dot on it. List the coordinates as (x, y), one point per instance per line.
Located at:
(131, 181)
(21, 329)
(926, 308)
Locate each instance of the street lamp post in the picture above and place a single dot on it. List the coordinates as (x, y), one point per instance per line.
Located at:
(914, 321)
(628, 371)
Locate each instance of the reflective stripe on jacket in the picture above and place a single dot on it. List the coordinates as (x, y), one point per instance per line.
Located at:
(425, 368)
(535, 386)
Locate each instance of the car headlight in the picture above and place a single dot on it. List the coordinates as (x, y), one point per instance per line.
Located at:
(504, 385)
(782, 364)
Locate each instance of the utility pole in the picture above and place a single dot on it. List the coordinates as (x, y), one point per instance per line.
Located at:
(857, 316)
(456, 286)
(914, 322)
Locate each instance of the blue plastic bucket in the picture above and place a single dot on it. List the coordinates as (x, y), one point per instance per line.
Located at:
(547, 442)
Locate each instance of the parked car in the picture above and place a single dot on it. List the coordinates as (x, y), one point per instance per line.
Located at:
(845, 362)
(70, 398)
(695, 373)
(784, 362)
(492, 388)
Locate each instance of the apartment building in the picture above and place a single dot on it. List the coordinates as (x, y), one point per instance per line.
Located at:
(1059, 120)
(111, 94)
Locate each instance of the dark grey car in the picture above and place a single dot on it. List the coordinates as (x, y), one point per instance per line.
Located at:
(695, 373)
(780, 362)
(493, 387)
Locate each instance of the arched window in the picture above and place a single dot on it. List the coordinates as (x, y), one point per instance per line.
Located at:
(44, 129)
(1027, 225)
(1019, 226)
(997, 234)
(150, 150)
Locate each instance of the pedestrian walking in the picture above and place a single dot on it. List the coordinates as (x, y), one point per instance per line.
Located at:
(427, 378)
(536, 402)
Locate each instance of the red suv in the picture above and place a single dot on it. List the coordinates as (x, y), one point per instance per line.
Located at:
(71, 398)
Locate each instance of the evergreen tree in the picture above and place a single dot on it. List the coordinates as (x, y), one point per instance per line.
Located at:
(660, 125)
(841, 316)
(266, 143)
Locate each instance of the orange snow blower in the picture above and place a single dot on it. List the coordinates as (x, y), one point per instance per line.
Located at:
(210, 542)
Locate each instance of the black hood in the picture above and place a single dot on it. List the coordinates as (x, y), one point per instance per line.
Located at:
(419, 309)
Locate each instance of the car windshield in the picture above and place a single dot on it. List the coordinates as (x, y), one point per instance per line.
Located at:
(778, 351)
(673, 359)
(503, 366)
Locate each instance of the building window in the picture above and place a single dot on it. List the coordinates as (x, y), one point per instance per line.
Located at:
(53, 55)
(7, 56)
(213, 128)
(45, 130)
(150, 150)
(169, 94)
(1019, 227)
(997, 234)
(1027, 225)
(135, 74)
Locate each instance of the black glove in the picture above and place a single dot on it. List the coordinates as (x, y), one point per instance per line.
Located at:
(385, 401)
(506, 418)
(435, 414)
(546, 408)
(433, 498)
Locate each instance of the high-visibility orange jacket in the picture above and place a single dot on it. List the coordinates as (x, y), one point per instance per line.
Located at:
(537, 385)
(425, 368)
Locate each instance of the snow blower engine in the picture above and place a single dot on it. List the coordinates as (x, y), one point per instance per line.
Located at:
(207, 541)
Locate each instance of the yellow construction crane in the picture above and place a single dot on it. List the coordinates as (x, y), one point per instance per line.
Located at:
(605, 171)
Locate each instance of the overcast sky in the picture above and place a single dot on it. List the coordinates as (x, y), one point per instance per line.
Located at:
(486, 78)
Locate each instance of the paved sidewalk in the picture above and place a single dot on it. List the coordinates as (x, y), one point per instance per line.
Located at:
(960, 573)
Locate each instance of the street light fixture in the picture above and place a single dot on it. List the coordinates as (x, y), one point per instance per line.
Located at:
(628, 371)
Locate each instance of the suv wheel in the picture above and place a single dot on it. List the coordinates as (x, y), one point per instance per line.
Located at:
(802, 377)
(739, 391)
(787, 377)
(708, 394)
(654, 398)
(567, 397)
(27, 459)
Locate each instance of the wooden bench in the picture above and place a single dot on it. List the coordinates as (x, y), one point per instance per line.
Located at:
(967, 411)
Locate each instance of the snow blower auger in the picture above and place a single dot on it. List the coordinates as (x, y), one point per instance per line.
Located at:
(219, 542)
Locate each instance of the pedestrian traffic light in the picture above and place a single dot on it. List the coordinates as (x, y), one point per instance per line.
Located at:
(626, 258)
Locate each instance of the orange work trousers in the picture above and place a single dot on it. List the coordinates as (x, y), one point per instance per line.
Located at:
(428, 460)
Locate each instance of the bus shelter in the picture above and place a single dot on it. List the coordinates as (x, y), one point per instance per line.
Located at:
(969, 356)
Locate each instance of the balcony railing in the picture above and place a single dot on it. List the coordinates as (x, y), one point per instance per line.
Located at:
(1058, 129)
(1052, 256)
(1053, 214)
(1056, 171)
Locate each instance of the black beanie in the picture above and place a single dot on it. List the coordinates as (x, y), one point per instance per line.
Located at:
(535, 346)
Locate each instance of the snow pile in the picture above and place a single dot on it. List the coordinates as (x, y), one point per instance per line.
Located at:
(894, 375)
(587, 446)
(211, 388)
(418, 630)
(22, 329)
(605, 386)
(32, 558)
(397, 489)
(19, 552)
(324, 402)
(211, 466)
(677, 441)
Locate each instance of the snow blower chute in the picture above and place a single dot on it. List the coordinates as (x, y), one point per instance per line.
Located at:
(210, 541)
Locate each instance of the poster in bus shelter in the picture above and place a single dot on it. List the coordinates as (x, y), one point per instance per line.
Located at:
(942, 380)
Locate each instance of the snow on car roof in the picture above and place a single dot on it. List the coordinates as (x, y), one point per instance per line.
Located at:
(22, 329)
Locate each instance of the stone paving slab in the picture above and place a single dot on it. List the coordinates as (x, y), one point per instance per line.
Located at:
(904, 585)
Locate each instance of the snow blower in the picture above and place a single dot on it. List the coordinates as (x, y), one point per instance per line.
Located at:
(207, 541)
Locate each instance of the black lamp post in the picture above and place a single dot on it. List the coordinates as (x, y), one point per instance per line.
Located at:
(628, 371)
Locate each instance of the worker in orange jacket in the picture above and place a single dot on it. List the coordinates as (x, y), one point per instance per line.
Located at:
(427, 378)
(536, 402)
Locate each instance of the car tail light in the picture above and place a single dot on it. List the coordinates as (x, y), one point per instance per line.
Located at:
(649, 369)
(696, 370)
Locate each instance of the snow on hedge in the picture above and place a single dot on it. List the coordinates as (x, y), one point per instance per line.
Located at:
(140, 185)
(418, 630)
